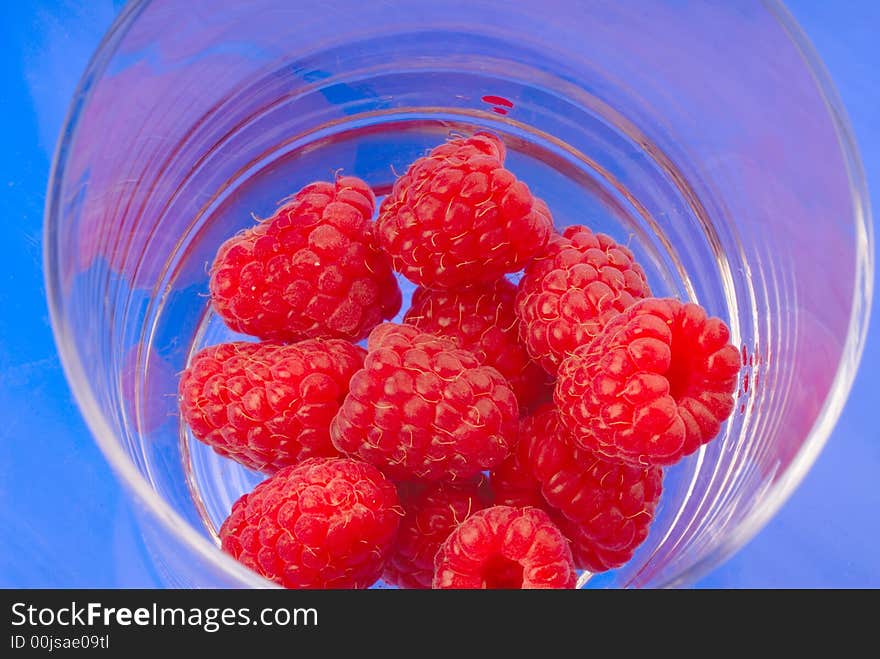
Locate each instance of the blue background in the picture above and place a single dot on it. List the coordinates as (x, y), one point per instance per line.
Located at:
(64, 518)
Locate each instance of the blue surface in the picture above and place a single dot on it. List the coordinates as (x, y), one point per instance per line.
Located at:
(65, 519)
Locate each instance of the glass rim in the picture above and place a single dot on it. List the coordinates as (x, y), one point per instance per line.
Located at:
(775, 496)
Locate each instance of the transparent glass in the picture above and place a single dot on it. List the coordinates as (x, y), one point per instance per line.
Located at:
(705, 135)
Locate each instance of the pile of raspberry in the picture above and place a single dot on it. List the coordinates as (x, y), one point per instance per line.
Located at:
(500, 436)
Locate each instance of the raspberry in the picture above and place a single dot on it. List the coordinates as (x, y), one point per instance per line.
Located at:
(579, 282)
(422, 409)
(481, 319)
(457, 216)
(653, 386)
(268, 405)
(432, 513)
(608, 505)
(505, 547)
(513, 482)
(605, 508)
(323, 523)
(311, 270)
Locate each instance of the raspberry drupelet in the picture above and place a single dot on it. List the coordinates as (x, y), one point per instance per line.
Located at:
(312, 270)
(268, 405)
(653, 386)
(457, 217)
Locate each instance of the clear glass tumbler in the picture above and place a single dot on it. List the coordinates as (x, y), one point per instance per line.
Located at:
(705, 135)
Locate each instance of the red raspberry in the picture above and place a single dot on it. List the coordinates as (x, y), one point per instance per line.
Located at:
(481, 319)
(311, 270)
(323, 523)
(605, 508)
(268, 405)
(432, 513)
(457, 216)
(653, 386)
(608, 505)
(505, 547)
(513, 483)
(422, 409)
(579, 282)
